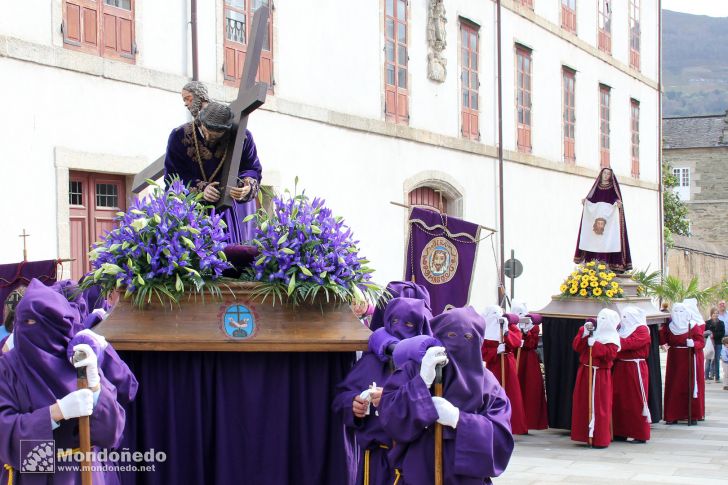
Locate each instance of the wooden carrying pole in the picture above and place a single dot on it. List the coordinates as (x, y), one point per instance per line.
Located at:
(438, 430)
(84, 427)
(502, 357)
(690, 381)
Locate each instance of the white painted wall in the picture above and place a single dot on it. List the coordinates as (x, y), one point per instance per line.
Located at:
(323, 62)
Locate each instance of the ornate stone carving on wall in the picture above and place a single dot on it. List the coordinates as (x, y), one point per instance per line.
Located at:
(436, 20)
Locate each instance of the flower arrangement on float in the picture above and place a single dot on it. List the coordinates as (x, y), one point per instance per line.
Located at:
(591, 280)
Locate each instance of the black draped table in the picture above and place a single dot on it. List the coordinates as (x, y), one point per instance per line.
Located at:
(561, 321)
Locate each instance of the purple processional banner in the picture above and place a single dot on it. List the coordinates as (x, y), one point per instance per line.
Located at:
(13, 276)
(441, 255)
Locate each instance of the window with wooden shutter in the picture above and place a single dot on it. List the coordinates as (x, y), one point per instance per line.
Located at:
(396, 93)
(568, 15)
(469, 79)
(101, 27)
(604, 95)
(523, 98)
(238, 23)
(569, 114)
(429, 197)
(635, 117)
(634, 34)
(604, 15)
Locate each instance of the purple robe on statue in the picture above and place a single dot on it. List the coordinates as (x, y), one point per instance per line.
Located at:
(480, 446)
(404, 318)
(182, 160)
(610, 193)
(36, 374)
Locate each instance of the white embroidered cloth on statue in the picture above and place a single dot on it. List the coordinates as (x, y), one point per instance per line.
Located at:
(600, 228)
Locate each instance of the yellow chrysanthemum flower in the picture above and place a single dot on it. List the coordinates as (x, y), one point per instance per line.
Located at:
(602, 266)
(602, 283)
(609, 293)
(594, 284)
(592, 272)
(573, 290)
(590, 264)
(615, 285)
(597, 291)
(602, 275)
(585, 278)
(612, 275)
(562, 288)
(582, 292)
(584, 284)
(620, 291)
(575, 274)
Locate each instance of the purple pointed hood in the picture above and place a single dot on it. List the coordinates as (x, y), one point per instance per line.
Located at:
(44, 325)
(461, 332)
(407, 317)
(398, 289)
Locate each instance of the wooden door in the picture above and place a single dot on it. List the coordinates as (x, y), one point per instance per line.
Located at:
(94, 199)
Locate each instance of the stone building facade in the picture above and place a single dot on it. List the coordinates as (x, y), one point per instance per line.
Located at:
(697, 149)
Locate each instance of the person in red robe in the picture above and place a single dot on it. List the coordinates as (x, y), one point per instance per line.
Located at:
(684, 336)
(604, 345)
(529, 368)
(493, 348)
(630, 412)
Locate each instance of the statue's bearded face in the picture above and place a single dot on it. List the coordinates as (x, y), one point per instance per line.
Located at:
(210, 135)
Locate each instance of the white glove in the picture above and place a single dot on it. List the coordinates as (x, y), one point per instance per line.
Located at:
(100, 312)
(447, 414)
(433, 357)
(690, 342)
(522, 342)
(100, 339)
(501, 348)
(367, 396)
(90, 363)
(76, 404)
(590, 341)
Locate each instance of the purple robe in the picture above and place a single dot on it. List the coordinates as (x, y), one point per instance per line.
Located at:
(480, 446)
(396, 289)
(36, 374)
(182, 160)
(404, 318)
(609, 193)
(113, 367)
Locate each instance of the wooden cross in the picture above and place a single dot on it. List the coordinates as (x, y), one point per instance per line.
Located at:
(251, 96)
(25, 247)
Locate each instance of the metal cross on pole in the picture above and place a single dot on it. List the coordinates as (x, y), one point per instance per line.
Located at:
(251, 96)
(25, 247)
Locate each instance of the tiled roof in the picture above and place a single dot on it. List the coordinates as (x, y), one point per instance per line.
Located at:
(694, 132)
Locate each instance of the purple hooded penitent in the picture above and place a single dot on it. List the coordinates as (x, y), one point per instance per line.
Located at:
(114, 369)
(36, 374)
(405, 317)
(481, 444)
(397, 289)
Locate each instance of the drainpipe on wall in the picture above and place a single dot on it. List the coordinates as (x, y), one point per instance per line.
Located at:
(501, 273)
(663, 255)
(193, 25)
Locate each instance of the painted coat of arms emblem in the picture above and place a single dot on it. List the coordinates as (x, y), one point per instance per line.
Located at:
(439, 261)
(238, 322)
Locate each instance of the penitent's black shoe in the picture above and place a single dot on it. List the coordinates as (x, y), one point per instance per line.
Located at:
(639, 441)
(620, 438)
(670, 422)
(598, 447)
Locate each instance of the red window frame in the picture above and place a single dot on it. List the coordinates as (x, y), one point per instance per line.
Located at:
(568, 81)
(427, 196)
(94, 27)
(635, 124)
(568, 15)
(604, 25)
(236, 48)
(396, 36)
(604, 131)
(524, 67)
(469, 79)
(527, 3)
(634, 34)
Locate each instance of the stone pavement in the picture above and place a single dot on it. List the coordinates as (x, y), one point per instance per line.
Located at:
(696, 455)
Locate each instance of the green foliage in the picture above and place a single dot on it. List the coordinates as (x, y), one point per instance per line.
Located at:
(672, 289)
(675, 212)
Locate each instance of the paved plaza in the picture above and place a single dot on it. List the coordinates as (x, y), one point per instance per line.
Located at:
(676, 454)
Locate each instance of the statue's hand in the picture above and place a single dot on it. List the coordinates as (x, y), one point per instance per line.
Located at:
(211, 193)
